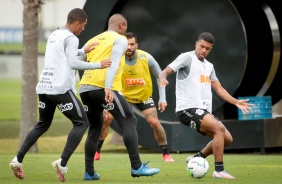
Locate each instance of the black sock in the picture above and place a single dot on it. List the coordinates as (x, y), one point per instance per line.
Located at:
(219, 166)
(200, 154)
(64, 161)
(100, 144)
(20, 158)
(90, 171)
(135, 161)
(164, 149)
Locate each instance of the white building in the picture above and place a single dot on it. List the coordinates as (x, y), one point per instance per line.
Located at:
(53, 14)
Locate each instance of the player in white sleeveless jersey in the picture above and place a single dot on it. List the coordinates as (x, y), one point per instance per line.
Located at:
(195, 79)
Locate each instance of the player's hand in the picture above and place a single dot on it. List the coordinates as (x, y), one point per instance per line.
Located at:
(162, 106)
(106, 63)
(90, 47)
(109, 97)
(163, 82)
(244, 106)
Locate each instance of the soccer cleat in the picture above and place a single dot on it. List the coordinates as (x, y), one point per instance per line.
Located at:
(17, 168)
(60, 170)
(189, 158)
(144, 171)
(168, 158)
(96, 176)
(222, 174)
(97, 156)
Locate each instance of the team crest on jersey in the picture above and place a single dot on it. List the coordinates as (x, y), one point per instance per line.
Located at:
(42, 105)
(199, 112)
(65, 107)
(131, 72)
(192, 124)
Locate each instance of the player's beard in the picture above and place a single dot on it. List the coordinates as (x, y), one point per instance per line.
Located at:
(129, 54)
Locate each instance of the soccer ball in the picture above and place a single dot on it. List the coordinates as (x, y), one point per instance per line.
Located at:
(198, 167)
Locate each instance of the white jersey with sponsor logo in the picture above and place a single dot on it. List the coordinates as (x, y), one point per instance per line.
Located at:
(57, 77)
(193, 82)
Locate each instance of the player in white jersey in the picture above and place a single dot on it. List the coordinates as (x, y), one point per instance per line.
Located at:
(56, 88)
(195, 80)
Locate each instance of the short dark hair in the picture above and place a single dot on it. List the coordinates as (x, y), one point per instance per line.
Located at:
(76, 14)
(206, 36)
(131, 35)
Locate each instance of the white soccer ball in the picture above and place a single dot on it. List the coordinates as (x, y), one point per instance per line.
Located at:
(198, 167)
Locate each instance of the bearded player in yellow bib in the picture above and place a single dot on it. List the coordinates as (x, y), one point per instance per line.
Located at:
(137, 89)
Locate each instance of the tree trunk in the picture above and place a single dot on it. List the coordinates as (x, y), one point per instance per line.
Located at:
(29, 69)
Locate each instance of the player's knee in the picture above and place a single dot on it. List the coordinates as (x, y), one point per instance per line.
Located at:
(154, 123)
(82, 125)
(220, 129)
(107, 122)
(228, 140)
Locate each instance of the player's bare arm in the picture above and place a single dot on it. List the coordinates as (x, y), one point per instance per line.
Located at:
(163, 75)
(241, 104)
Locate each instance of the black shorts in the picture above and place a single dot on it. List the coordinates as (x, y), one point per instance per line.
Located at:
(191, 117)
(147, 104)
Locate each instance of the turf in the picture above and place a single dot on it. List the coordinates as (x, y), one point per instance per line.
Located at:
(10, 100)
(17, 47)
(115, 168)
(114, 164)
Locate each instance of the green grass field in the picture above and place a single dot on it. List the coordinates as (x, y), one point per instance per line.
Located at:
(10, 100)
(114, 164)
(115, 168)
(17, 47)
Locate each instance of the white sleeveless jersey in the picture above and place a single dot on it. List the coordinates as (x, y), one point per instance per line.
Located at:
(193, 82)
(57, 77)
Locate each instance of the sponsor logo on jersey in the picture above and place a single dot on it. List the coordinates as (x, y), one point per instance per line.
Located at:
(85, 107)
(149, 101)
(65, 107)
(205, 79)
(206, 104)
(135, 82)
(42, 105)
(109, 106)
(192, 124)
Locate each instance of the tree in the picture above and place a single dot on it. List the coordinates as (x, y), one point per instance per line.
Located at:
(31, 9)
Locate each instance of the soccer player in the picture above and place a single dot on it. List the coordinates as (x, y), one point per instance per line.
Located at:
(100, 90)
(56, 88)
(137, 89)
(194, 79)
